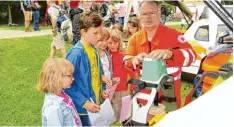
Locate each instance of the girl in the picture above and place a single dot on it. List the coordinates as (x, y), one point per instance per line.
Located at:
(133, 26)
(58, 108)
(115, 50)
(104, 55)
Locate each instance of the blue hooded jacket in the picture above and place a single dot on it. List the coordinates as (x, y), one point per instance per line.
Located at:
(81, 88)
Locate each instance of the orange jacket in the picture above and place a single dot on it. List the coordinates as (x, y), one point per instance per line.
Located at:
(164, 38)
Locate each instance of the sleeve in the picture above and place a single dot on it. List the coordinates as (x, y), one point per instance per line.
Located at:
(53, 12)
(130, 52)
(183, 54)
(54, 116)
(77, 88)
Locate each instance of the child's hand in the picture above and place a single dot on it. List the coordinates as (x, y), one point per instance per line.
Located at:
(92, 107)
(107, 81)
(105, 95)
(115, 80)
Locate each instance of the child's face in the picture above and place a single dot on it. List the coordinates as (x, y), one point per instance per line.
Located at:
(113, 46)
(132, 29)
(92, 35)
(67, 81)
(102, 44)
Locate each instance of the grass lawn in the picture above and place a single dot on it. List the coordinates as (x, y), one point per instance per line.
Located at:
(5, 27)
(21, 60)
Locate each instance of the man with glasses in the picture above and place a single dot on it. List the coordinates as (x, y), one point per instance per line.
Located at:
(157, 41)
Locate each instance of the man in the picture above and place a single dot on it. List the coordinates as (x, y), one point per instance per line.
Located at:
(35, 12)
(158, 41)
(26, 7)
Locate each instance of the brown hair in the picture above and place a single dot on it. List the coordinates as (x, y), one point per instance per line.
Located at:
(116, 36)
(52, 74)
(118, 26)
(88, 20)
(135, 22)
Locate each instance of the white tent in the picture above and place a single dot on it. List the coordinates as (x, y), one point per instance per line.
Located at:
(213, 109)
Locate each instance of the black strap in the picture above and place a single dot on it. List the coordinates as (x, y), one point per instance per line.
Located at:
(167, 99)
(133, 123)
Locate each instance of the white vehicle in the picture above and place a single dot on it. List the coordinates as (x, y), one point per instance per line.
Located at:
(199, 34)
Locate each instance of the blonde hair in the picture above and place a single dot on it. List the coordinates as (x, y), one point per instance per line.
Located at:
(51, 76)
(116, 36)
(105, 34)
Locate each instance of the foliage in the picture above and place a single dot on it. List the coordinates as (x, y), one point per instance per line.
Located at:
(17, 14)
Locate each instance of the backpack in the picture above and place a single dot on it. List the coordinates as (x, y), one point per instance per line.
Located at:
(75, 14)
(104, 9)
(64, 23)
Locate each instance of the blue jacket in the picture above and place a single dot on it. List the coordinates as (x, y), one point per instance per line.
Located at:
(56, 113)
(81, 88)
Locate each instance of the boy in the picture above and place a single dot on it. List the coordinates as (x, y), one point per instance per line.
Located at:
(58, 41)
(86, 89)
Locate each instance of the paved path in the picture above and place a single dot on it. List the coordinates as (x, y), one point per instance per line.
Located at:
(5, 34)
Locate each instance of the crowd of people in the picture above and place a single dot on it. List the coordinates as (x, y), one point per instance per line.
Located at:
(78, 84)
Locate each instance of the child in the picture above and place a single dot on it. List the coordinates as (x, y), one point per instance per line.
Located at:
(115, 50)
(86, 90)
(118, 26)
(133, 26)
(58, 109)
(58, 41)
(104, 55)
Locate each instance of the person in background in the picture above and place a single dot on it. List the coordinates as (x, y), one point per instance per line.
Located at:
(118, 26)
(133, 26)
(58, 42)
(121, 7)
(26, 7)
(75, 14)
(163, 15)
(36, 14)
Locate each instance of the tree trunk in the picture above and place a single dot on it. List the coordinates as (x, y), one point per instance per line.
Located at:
(9, 14)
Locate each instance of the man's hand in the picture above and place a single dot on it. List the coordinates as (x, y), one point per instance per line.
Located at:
(107, 81)
(138, 59)
(160, 53)
(91, 107)
(105, 95)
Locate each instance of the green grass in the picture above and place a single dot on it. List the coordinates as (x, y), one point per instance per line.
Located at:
(21, 60)
(5, 27)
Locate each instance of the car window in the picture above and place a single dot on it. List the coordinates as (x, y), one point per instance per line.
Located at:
(202, 33)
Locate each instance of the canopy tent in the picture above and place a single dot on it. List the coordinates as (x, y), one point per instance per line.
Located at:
(213, 109)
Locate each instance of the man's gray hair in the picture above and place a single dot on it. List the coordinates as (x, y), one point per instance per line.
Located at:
(149, 1)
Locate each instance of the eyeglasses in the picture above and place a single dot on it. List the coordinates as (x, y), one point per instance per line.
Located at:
(151, 14)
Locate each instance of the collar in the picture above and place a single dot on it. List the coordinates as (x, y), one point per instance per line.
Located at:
(154, 40)
(54, 97)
